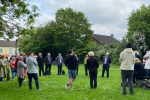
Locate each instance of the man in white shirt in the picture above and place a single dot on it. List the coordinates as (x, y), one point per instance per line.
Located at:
(147, 64)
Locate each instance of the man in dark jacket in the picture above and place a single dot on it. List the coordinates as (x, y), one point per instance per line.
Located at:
(48, 63)
(40, 61)
(71, 63)
(60, 62)
(106, 64)
(78, 60)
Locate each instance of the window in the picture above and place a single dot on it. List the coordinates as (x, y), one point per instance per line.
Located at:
(10, 50)
(0, 50)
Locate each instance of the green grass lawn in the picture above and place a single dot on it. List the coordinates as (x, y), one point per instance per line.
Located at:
(53, 87)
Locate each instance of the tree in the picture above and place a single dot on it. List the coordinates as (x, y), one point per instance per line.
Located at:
(16, 18)
(139, 22)
(42, 41)
(73, 29)
(139, 42)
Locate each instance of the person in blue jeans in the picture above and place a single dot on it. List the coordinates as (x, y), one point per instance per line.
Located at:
(71, 63)
(60, 62)
(12, 65)
(32, 71)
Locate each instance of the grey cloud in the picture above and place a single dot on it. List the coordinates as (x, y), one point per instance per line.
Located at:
(107, 16)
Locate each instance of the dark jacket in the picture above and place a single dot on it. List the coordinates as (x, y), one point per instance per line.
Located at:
(139, 69)
(78, 60)
(58, 60)
(107, 65)
(24, 60)
(40, 61)
(47, 61)
(71, 62)
(92, 64)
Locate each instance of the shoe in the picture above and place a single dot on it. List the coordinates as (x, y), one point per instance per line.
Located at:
(38, 89)
(124, 93)
(131, 93)
(72, 88)
(66, 87)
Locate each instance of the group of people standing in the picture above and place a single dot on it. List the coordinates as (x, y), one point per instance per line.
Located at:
(106, 64)
(20, 66)
(48, 63)
(131, 67)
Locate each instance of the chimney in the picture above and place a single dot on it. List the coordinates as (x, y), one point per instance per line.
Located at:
(112, 35)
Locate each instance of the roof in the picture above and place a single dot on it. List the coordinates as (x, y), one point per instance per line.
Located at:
(105, 39)
(5, 43)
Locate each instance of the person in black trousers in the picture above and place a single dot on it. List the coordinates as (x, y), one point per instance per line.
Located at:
(48, 63)
(40, 61)
(85, 64)
(78, 60)
(106, 64)
(92, 65)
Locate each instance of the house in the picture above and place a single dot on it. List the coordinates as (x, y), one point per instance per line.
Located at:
(103, 39)
(8, 48)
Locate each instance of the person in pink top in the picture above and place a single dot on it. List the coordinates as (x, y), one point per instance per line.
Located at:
(12, 65)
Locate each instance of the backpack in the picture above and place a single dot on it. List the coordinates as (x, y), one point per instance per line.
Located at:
(63, 72)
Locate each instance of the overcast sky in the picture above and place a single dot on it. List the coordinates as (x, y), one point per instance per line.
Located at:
(107, 16)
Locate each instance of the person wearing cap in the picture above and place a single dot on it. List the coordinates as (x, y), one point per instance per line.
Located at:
(106, 64)
(20, 70)
(127, 67)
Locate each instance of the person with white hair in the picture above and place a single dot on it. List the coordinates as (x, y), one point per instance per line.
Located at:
(106, 64)
(92, 65)
(20, 70)
(48, 63)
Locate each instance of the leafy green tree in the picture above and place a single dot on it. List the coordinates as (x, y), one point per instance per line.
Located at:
(42, 41)
(139, 21)
(139, 42)
(16, 18)
(73, 30)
